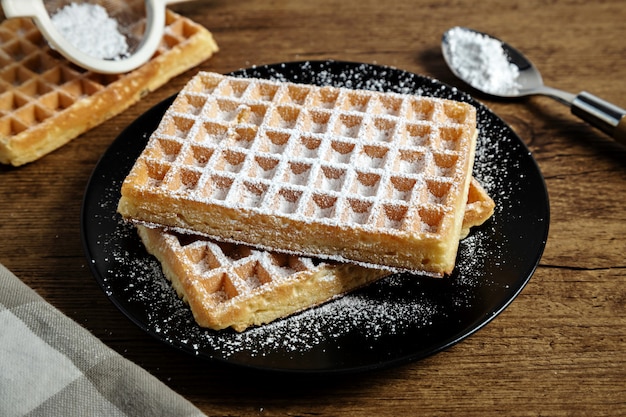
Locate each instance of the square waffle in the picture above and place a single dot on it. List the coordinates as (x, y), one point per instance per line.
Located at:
(379, 179)
(45, 101)
(229, 285)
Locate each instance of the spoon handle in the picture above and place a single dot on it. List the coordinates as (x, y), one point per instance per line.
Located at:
(608, 117)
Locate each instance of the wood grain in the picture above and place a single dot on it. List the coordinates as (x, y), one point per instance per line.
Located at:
(558, 350)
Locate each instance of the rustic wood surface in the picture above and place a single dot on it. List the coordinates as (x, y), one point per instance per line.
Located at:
(558, 350)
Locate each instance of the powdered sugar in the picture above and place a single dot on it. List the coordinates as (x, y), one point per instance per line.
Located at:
(482, 62)
(89, 28)
(374, 317)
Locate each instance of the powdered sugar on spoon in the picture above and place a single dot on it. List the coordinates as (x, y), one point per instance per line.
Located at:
(495, 68)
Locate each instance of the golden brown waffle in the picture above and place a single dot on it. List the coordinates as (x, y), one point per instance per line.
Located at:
(229, 285)
(45, 101)
(350, 175)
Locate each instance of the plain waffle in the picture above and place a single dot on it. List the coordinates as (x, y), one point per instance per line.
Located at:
(45, 101)
(350, 175)
(229, 285)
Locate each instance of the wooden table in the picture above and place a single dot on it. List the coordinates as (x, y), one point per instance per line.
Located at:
(560, 347)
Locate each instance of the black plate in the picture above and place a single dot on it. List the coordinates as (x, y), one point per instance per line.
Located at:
(396, 320)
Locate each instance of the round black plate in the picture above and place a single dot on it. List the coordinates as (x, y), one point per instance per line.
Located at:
(398, 319)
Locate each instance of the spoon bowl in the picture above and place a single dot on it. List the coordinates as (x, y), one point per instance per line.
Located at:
(464, 51)
(528, 79)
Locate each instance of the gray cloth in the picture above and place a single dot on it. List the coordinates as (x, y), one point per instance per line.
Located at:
(51, 366)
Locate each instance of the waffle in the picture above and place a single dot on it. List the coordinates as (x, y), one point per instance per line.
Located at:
(379, 179)
(229, 285)
(46, 102)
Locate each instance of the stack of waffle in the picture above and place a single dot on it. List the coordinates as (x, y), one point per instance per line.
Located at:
(45, 101)
(247, 184)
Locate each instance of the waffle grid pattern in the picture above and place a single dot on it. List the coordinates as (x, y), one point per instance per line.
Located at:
(381, 161)
(229, 285)
(228, 271)
(34, 84)
(37, 85)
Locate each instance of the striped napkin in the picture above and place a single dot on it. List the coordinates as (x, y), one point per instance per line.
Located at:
(51, 366)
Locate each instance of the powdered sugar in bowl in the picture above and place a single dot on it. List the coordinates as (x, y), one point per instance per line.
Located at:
(100, 46)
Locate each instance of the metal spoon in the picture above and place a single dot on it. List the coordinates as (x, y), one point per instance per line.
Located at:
(608, 117)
